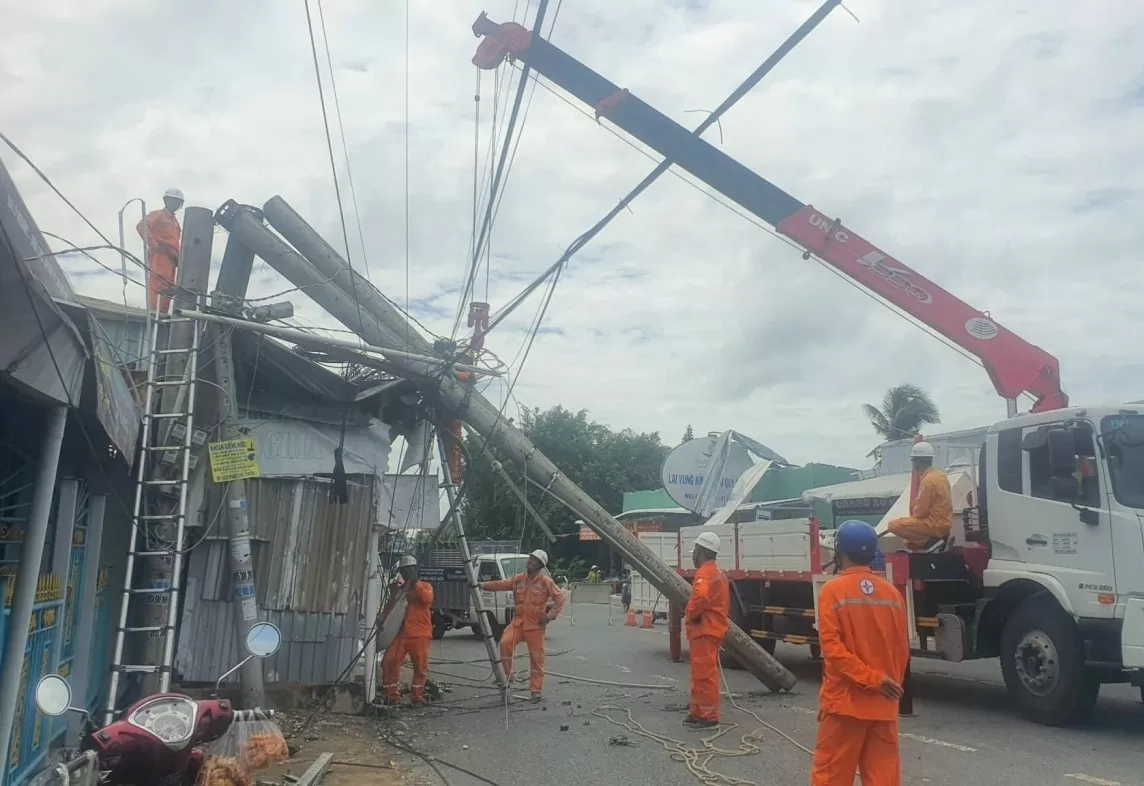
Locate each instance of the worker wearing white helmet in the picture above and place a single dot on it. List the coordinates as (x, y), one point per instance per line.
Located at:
(707, 619)
(931, 511)
(163, 236)
(531, 592)
(413, 640)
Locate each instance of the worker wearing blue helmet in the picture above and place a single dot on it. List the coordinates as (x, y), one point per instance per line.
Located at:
(865, 649)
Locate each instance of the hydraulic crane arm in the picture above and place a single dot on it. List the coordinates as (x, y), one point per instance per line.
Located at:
(1014, 365)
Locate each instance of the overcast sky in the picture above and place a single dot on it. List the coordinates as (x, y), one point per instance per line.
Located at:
(999, 153)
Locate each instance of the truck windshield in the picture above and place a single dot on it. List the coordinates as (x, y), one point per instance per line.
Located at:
(1123, 438)
(513, 565)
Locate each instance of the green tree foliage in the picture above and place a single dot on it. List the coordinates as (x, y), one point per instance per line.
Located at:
(905, 409)
(603, 462)
(688, 434)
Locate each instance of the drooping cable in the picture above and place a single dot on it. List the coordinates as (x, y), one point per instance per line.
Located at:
(339, 490)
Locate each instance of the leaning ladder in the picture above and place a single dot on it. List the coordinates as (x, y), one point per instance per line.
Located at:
(159, 518)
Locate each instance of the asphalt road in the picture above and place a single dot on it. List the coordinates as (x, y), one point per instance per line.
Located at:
(963, 731)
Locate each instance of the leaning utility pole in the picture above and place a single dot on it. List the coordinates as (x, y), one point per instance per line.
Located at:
(235, 275)
(469, 405)
(483, 447)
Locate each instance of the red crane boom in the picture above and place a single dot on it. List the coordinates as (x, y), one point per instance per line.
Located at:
(1014, 365)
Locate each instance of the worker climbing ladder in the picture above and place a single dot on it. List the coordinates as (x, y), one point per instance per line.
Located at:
(159, 518)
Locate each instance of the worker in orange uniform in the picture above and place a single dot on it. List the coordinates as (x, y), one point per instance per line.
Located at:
(413, 639)
(707, 623)
(865, 649)
(931, 511)
(531, 592)
(163, 237)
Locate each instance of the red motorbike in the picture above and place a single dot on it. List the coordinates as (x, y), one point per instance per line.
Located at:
(157, 739)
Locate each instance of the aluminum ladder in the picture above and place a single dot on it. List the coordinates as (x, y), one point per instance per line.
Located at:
(159, 517)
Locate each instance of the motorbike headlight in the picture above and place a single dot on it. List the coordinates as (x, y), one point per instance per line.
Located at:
(170, 719)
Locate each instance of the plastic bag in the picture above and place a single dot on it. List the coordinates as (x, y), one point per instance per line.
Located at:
(263, 746)
(247, 746)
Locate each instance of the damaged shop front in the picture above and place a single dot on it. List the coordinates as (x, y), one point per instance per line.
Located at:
(314, 556)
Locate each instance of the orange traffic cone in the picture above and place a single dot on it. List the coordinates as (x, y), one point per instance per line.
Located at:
(648, 619)
(631, 620)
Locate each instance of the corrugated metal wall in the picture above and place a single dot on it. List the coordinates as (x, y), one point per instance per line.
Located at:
(309, 561)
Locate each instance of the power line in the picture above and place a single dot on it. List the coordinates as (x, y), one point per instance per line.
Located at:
(345, 147)
(333, 162)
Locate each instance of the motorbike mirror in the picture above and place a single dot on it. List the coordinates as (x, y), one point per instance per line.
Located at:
(53, 695)
(263, 640)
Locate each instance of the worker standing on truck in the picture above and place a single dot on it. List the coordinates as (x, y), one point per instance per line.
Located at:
(531, 592)
(413, 639)
(865, 649)
(163, 237)
(707, 623)
(931, 511)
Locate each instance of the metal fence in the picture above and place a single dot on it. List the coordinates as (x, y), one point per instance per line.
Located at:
(33, 733)
(100, 646)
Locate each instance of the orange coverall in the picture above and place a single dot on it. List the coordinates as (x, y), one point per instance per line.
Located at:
(413, 640)
(931, 512)
(164, 236)
(706, 616)
(862, 632)
(530, 598)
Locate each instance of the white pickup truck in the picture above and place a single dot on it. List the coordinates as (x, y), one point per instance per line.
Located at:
(452, 602)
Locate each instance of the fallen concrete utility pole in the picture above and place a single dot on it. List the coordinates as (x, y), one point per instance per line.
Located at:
(428, 365)
(330, 264)
(482, 446)
(469, 405)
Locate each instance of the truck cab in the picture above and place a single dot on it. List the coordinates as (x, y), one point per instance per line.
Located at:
(1050, 576)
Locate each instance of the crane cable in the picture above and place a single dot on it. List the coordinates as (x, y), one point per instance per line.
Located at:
(498, 175)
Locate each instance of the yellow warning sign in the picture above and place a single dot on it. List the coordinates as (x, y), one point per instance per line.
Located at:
(233, 459)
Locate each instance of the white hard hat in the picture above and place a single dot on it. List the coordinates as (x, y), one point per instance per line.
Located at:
(595, 567)
(407, 562)
(541, 555)
(921, 450)
(709, 541)
(173, 193)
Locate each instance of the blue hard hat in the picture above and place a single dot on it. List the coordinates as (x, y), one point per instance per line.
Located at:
(856, 539)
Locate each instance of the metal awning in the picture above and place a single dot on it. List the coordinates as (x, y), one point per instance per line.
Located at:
(879, 487)
(39, 345)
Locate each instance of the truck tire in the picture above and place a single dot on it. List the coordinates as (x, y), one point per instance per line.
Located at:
(1042, 661)
(496, 628)
(440, 625)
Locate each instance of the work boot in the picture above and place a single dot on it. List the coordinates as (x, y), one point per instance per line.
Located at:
(417, 703)
(699, 723)
(537, 696)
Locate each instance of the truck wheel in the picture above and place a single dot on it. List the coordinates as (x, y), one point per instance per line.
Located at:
(440, 625)
(1042, 661)
(496, 628)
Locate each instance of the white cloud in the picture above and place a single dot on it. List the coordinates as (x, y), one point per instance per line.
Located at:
(996, 152)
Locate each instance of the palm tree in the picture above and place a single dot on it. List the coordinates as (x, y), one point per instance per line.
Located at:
(905, 409)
